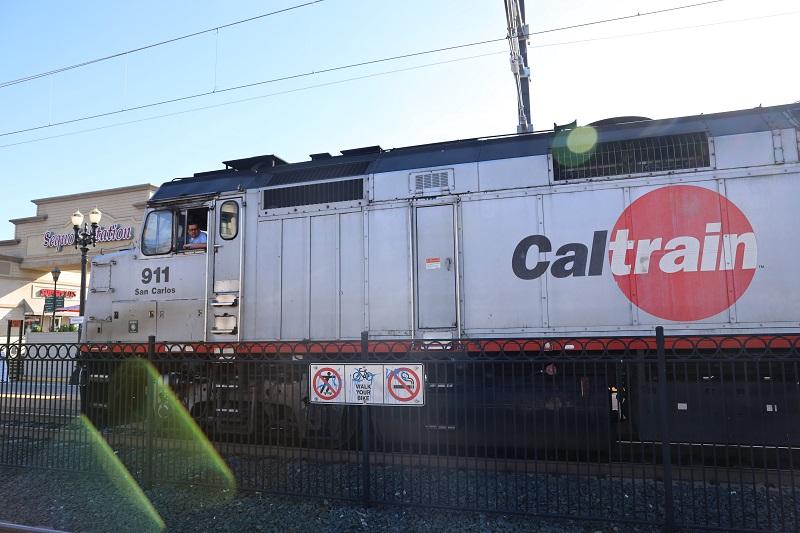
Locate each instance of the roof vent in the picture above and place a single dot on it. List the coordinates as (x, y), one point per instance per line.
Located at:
(254, 164)
(320, 156)
(363, 151)
(571, 126)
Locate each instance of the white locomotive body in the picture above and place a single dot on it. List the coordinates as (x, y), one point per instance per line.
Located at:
(601, 231)
(605, 231)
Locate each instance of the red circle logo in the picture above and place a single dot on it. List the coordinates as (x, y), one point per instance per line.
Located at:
(683, 253)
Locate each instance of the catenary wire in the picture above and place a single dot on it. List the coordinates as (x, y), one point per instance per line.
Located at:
(323, 71)
(152, 45)
(666, 30)
(384, 73)
(209, 30)
(252, 98)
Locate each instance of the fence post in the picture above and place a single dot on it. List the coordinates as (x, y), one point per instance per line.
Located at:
(8, 352)
(150, 396)
(364, 415)
(666, 455)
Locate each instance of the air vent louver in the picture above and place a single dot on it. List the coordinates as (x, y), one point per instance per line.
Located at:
(431, 181)
(318, 193)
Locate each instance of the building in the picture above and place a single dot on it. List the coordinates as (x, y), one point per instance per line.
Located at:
(45, 241)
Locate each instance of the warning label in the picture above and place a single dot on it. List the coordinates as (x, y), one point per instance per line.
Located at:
(433, 263)
(371, 384)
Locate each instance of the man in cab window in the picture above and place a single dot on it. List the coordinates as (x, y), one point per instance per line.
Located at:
(195, 239)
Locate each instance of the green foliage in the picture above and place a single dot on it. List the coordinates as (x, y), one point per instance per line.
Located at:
(68, 327)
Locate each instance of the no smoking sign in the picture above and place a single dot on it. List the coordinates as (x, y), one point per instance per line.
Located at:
(404, 384)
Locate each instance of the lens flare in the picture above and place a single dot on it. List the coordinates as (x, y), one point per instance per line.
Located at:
(146, 515)
(582, 140)
(574, 146)
(180, 450)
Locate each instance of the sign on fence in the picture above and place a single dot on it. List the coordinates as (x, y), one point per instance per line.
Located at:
(381, 384)
(327, 383)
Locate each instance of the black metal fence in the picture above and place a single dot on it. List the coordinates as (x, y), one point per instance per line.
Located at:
(676, 431)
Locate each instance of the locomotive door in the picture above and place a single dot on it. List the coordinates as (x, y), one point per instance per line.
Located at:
(225, 238)
(436, 267)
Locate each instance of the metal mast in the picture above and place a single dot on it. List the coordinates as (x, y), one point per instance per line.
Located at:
(518, 44)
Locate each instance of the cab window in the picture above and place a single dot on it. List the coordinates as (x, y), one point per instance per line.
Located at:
(229, 220)
(157, 234)
(192, 234)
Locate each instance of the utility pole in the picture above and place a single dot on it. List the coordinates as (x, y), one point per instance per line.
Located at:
(518, 45)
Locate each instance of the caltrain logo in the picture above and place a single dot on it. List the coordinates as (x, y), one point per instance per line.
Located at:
(680, 253)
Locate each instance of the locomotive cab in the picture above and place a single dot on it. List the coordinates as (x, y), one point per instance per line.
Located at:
(183, 276)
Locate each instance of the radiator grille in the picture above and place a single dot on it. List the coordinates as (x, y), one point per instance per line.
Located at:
(318, 173)
(635, 156)
(318, 193)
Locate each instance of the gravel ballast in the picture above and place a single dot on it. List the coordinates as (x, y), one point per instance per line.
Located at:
(88, 499)
(74, 502)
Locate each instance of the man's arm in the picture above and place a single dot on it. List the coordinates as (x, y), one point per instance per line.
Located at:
(198, 243)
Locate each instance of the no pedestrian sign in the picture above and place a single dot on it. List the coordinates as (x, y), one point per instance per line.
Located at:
(327, 383)
(367, 384)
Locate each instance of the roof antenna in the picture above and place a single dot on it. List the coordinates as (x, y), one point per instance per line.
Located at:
(518, 45)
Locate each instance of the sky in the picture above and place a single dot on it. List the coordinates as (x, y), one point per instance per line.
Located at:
(732, 54)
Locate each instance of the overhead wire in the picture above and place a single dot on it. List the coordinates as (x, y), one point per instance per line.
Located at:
(666, 30)
(31, 77)
(384, 73)
(339, 68)
(259, 97)
(216, 29)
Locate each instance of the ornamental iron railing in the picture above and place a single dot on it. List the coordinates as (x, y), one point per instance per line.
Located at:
(682, 432)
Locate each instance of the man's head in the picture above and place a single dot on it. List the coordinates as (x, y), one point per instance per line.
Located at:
(193, 230)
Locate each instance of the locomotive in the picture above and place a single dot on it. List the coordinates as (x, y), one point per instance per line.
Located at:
(606, 230)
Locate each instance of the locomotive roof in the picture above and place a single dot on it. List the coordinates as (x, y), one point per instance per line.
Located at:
(269, 170)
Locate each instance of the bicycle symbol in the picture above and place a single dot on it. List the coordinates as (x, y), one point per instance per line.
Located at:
(362, 374)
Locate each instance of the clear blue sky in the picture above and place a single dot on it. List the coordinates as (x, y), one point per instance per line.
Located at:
(634, 67)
